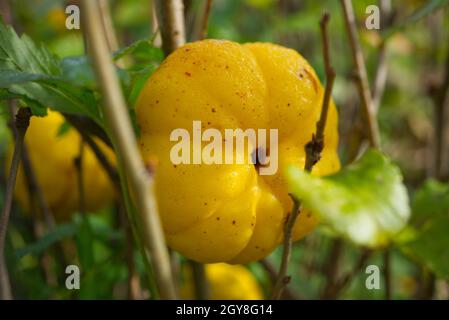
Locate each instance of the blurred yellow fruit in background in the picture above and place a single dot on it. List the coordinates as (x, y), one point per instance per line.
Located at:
(52, 158)
(228, 212)
(56, 19)
(225, 282)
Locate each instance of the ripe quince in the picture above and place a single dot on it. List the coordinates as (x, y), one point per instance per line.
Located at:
(228, 212)
(225, 282)
(52, 157)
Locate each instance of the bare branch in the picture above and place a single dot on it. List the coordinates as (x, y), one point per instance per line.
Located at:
(313, 154)
(85, 125)
(170, 14)
(122, 134)
(200, 280)
(288, 293)
(331, 267)
(35, 190)
(22, 122)
(78, 162)
(362, 77)
(205, 20)
(344, 280)
(387, 274)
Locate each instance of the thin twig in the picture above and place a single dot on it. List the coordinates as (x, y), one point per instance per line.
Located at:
(108, 26)
(170, 14)
(22, 122)
(111, 35)
(440, 99)
(155, 27)
(361, 75)
(387, 274)
(344, 280)
(35, 190)
(102, 159)
(140, 180)
(205, 20)
(85, 125)
(78, 161)
(380, 78)
(201, 285)
(313, 154)
(331, 267)
(134, 291)
(288, 293)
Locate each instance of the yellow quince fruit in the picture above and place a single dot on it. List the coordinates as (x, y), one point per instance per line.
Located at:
(52, 158)
(225, 282)
(230, 212)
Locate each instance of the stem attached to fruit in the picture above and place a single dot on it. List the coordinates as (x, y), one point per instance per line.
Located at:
(123, 138)
(22, 122)
(313, 154)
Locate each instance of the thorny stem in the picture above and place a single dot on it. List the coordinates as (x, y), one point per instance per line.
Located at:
(22, 122)
(140, 180)
(313, 154)
(361, 75)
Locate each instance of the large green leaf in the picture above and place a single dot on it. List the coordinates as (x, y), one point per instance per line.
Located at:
(22, 54)
(430, 202)
(430, 246)
(365, 202)
(34, 74)
(428, 238)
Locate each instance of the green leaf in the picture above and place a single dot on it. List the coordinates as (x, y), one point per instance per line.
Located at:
(427, 240)
(63, 129)
(427, 8)
(6, 95)
(431, 246)
(138, 80)
(365, 202)
(34, 74)
(429, 202)
(78, 70)
(143, 49)
(58, 233)
(8, 77)
(23, 55)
